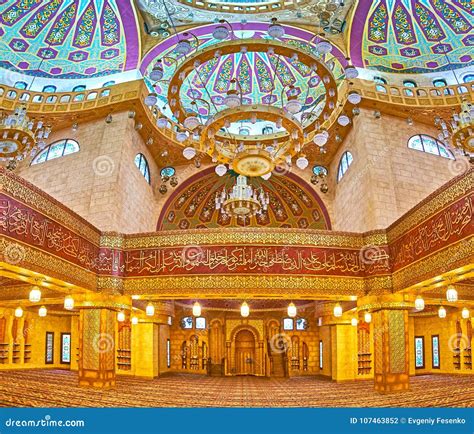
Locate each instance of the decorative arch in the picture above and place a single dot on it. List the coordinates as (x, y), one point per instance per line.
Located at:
(293, 204)
(248, 327)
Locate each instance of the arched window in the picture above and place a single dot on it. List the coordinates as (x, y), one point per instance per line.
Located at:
(410, 84)
(167, 172)
(379, 82)
(468, 78)
(320, 170)
(142, 164)
(430, 145)
(56, 150)
(440, 82)
(20, 85)
(108, 84)
(79, 88)
(344, 163)
(267, 130)
(49, 89)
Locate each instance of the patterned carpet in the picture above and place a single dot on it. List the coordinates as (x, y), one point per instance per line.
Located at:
(56, 388)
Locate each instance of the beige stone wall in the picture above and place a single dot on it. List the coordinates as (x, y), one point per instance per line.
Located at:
(101, 182)
(386, 178)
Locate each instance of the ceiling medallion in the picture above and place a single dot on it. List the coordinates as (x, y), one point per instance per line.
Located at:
(289, 117)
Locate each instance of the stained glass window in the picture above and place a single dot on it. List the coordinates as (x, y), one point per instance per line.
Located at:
(320, 354)
(435, 351)
(320, 170)
(430, 145)
(65, 348)
(468, 78)
(201, 323)
(167, 172)
(301, 324)
(49, 357)
(142, 164)
(419, 352)
(57, 149)
(187, 322)
(288, 324)
(344, 163)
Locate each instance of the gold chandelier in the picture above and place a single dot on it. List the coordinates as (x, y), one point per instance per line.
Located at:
(293, 125)
(459, 128)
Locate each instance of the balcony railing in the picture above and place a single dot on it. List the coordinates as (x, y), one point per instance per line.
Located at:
(131, 94)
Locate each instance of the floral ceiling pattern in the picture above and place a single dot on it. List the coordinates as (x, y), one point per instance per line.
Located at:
(72, 38)
(413, 36)
(263, 78)
(293, 204)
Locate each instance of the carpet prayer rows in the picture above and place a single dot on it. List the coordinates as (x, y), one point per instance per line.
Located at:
(57, 388)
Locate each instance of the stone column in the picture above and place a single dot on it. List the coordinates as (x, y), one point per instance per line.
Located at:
(97, 348)
(97, 331)
(391, 350)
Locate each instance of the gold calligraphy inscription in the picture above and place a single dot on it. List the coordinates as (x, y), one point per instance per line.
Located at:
(253, 259)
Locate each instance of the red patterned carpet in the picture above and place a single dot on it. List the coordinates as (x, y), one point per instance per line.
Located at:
(55, 388)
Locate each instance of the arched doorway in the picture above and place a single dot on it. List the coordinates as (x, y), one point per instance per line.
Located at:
(245, 353)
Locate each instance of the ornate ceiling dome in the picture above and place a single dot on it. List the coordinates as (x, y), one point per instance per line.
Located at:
(412, 36)
(293, 204)
(264, 78)
(76, 38)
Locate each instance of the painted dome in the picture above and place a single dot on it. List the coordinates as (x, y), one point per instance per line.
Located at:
(293, 204)
(76, 38)
(263, 77)
(412, 36)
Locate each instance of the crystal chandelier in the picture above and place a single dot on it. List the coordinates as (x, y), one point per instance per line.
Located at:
(20, 135)
(242, 200)
(459, 128)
